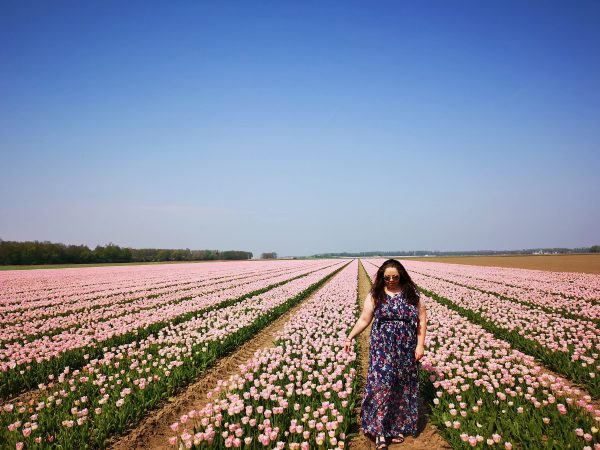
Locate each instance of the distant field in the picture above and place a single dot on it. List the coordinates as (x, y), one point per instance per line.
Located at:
(66, 266)
(585, 263)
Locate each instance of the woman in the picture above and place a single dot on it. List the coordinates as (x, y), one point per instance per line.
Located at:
(397, 343)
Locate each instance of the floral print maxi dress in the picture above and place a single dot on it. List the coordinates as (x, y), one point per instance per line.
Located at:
(389, 406)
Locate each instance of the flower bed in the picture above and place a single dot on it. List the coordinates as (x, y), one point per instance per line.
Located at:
(81, 408)
(299, 393)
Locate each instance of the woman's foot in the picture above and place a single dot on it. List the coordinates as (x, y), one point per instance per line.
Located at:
(398, 439)
(380, 443)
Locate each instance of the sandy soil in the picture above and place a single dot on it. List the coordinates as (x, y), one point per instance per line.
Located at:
(585, 263)
(153, 431)
(428, 436)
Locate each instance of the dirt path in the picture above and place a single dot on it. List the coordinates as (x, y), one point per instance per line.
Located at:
(428, 436)
(153, 432)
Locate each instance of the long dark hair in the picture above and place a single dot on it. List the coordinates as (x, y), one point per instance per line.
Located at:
(409, 288)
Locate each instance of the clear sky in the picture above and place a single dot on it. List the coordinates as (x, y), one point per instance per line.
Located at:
(301, 127)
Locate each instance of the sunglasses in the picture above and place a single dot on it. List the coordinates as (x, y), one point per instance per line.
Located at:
(391, 277)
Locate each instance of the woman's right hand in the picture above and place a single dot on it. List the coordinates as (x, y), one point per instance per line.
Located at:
(347, 345)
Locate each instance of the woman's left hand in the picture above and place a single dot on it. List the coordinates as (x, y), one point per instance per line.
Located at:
(419, 352)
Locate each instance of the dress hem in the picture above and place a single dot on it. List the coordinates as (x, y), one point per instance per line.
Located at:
(374, 433)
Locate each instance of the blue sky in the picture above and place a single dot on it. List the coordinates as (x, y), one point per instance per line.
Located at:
(301, 127)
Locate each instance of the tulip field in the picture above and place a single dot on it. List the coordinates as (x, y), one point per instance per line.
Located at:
(112, 375)
(568, 343)
(511, 358)
(59, 330)
(297, 394)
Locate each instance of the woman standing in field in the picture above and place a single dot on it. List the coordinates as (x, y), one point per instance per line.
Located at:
(397, 343)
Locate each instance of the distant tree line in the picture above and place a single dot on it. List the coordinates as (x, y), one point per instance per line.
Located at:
(271, 255)
(531, 251)
(36, 252)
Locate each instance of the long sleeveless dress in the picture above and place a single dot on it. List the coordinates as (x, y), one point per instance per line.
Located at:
(389, 406)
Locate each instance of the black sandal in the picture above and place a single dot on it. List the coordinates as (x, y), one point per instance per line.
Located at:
(380, 443)
(398, 439)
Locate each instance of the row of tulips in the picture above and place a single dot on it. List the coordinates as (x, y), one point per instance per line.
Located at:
(29, 324)
(24, 365)
(47, 287)
(75, 297)
(83, 408)
(486, 394)
(568, 346)
(190, 277)
(298, 394)
(573, 285)
(91, 285)
(553, 302)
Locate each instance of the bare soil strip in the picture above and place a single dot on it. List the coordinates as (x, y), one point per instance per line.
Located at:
(584, 263)
(153, 432)
(428, 436)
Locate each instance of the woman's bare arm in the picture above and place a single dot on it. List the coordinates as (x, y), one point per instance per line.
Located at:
(365, 318)
(421, 329)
